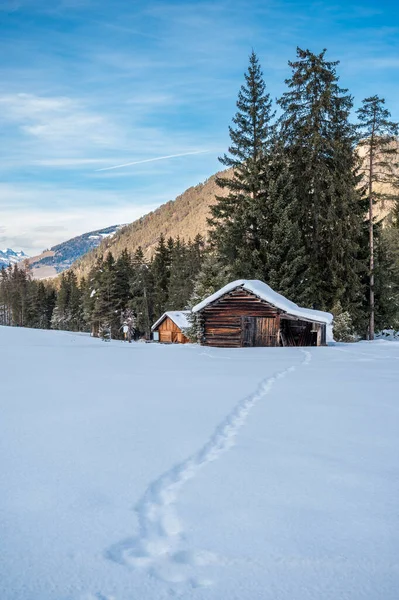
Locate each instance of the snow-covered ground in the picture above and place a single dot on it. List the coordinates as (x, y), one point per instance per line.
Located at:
(147, 472)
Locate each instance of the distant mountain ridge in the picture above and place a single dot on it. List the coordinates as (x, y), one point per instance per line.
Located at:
(11, 257)
(62, 256)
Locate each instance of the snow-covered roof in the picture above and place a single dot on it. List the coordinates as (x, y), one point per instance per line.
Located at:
(265, 292)
(179, 318)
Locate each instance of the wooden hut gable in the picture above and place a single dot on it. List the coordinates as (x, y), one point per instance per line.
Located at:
(171, 325)
(242, 302)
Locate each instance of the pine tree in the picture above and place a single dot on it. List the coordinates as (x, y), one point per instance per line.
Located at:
(89, 289)
(106, 309)
(212, 276)
(379, 154)
(142, 294)
(343, 330)
(196, 255)
(123, 276)
(68, 311)
(5, 309)
(160, 269)
(319, 141)
(75, 305)
(178, 276)
(234, 226)
(25, 302)
(186, 262)
(18, 295)
(386, 269)
(285, 268)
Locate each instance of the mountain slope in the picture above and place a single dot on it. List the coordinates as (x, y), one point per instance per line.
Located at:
(59, 258)
(11, 257)
(185, 217)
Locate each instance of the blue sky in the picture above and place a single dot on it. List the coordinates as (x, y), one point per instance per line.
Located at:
(90, 84)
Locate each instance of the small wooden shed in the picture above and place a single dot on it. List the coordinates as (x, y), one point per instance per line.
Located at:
(170, 327)
(249, 313)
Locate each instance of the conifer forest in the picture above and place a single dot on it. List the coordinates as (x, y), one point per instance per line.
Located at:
(308, 172)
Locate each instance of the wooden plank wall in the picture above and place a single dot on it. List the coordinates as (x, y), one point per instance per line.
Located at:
(267, 331)
(222, 320)
(169, 332)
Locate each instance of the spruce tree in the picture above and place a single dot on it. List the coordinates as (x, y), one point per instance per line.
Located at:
(23, 301)
(75, 304)
(179, 272)
(196, 249)
(212, 276)
(89, 289)
(123, 275)
(233, 224)
(285, 268)
(379, 156)
(161, 272)
(319, 142)
(106, 309)
(185, 265)
(142, 294)
(386, 269)
(60, 313)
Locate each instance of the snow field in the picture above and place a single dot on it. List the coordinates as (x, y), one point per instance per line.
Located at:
(150, 471)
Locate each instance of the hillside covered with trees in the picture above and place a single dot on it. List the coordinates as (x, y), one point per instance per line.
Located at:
(185, 217)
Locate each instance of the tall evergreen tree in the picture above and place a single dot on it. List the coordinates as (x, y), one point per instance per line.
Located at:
(161, 272)
(75, 304)
(234, 225)
(196, 255)
(178, 278)
(142, 291)
(319, 142)
(68, 310)
(106, 310)
(285, 268)
(89, 289)
(386, 268)
(379, 155)
(123, 275)
(212, 276)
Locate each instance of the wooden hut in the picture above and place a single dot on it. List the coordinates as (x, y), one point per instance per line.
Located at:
(170, 327)
(249, 313)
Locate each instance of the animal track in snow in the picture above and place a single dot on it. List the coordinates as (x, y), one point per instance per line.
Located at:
(161, 547)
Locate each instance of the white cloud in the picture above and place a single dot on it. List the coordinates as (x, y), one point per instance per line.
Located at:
(70, 162)
(57, 119)
(36, 218)
(35, 230)
(60, 132)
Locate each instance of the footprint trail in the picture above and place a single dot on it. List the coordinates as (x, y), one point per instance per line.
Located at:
(161, 547)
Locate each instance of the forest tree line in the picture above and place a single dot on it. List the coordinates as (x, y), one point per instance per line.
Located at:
(298, 214)
(129, 283)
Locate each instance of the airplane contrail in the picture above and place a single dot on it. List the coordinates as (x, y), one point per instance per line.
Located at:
(140, 162)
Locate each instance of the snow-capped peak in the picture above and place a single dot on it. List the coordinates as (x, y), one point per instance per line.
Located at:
(11, 257)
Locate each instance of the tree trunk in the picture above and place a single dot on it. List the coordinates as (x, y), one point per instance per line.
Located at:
(371, 234)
